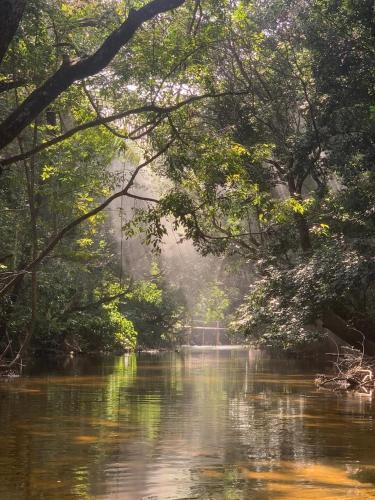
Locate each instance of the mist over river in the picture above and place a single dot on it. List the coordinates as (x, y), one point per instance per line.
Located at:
(199, 424)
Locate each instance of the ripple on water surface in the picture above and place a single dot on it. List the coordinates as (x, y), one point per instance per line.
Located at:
(225, 424)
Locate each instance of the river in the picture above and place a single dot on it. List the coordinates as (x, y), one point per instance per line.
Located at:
(201, 424)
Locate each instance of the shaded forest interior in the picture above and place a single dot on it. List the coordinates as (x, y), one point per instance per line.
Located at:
(180, 160)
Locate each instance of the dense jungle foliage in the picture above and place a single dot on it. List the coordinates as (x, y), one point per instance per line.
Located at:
(257, 117)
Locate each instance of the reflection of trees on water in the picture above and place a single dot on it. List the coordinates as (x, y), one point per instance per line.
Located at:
(224, 411)
(57, 431)
(177, 424)
(282, 417)
(263, 431)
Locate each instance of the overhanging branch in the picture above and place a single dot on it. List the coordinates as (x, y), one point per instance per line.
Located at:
(60, 235)
(147, 108)
(77, 70)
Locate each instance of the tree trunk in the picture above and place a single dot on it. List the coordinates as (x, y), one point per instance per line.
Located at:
(17, 278)
(73, 71)
(10, 17)
(304, 234)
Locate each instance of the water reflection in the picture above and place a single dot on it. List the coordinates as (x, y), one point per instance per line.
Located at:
(200, 424)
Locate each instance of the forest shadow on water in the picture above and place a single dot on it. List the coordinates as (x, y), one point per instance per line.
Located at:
(213, 424)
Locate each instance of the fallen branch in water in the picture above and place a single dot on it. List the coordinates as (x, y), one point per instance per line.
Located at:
(352, 372)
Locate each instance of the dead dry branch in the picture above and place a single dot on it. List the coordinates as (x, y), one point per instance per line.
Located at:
(353, 371)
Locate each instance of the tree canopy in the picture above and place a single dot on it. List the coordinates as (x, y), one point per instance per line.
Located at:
(258, 119)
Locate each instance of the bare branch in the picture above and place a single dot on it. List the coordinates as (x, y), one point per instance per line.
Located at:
(142, 198)
(99, 115)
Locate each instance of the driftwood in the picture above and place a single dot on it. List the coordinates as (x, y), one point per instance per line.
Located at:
(353, 371)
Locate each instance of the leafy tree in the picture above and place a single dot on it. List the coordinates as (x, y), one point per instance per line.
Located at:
(281, 170)
(212, 304)
(57, 134)
(258, 114)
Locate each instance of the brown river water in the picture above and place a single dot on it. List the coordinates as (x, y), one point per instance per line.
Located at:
(201, 424)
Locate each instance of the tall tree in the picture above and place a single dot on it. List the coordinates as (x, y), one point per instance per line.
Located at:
(277, 174)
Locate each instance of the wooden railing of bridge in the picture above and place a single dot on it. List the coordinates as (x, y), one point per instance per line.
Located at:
(204, 331)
